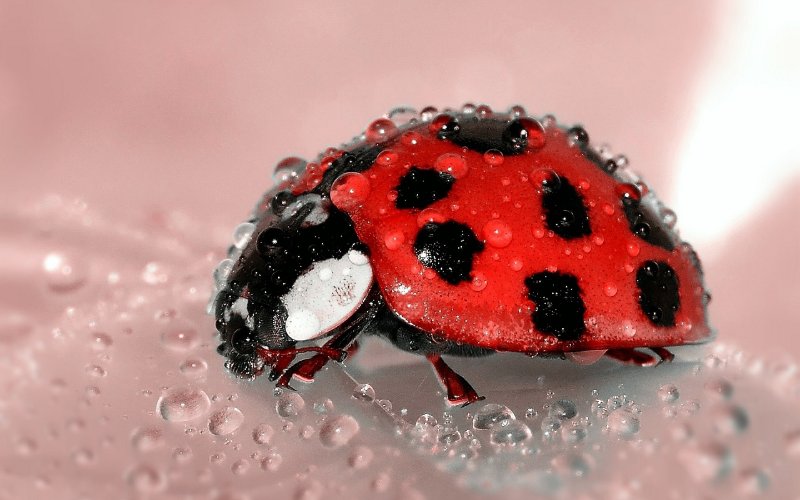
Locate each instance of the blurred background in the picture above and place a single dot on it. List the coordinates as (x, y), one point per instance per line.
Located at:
(136, 134)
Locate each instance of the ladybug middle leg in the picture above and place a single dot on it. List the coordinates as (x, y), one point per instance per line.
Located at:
(639, 358)
(459, 392)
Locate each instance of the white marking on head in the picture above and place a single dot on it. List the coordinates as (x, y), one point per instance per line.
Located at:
(240, 307)
(327, 295)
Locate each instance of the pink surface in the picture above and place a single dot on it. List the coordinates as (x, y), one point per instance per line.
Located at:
(156, 126)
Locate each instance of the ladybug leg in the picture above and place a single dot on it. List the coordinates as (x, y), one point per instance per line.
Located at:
(458, 389)
(663, 353)
(339, 347)
(632, 357)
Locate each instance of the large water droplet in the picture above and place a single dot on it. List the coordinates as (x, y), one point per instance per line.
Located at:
(290, 405)
(364, 393)
(491, 415)
(338, 431)
(180, 404)
(510, 432)
(623, 423)
(453, 164)
(350, 190)
(242, 234)
(225, 421)
(381, 130)
(63, 273)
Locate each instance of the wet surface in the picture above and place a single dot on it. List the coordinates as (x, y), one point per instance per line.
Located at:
(112, 389)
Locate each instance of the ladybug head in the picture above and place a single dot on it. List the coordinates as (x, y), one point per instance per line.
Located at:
(303, 273)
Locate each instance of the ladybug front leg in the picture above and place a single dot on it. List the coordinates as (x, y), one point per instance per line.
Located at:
(639, 358)
(458, 389)
(342, 345)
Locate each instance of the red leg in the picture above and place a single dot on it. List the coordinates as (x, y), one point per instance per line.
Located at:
(663, 353)
(632, 357)
(458, 389)
(337, 348)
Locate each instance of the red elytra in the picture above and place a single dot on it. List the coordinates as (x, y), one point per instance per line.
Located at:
(501, 202)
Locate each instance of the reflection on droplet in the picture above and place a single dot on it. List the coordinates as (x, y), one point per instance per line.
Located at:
(63, 273)
(491, 415)
(225, 421)
(180, 404)
(290, 405)
(338, 431)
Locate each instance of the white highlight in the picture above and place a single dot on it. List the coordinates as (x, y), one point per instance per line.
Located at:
(740, 146)
(326, 295)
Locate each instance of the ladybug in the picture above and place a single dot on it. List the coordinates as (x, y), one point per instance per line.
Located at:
(461, 233)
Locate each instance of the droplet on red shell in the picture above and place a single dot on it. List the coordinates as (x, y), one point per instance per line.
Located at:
(478, 282)
(536, 135)
(428, 113)
(610, 289)
(517, 111)
(394, 239)
(633, 249)
(411, 138)
(429, 215)
(350, 190)
(387, 158)
(453, 164)
(497, 233)
(545, 178)
(483, 111)
(629, 193)
(444, 126)
(380, 130)
(516, 264)
(493, 157)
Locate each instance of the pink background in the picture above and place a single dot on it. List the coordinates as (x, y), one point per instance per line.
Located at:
(153, 110)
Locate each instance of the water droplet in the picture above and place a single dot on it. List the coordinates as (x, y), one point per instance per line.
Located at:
(263, 433)
(517, 111)
(290, 406)
(180, 404)
(182, 454)
(83, 457)
(240, 467)
(497, 233)
(63, 273)
(96, 371)
(707, 462)
(350, 190)
(491, 415)
(221, 272)
(573, 434)
(403, 115)
(272, 462)
(225, 421)
(394, 239)
(753, 481)
(720, 388)
(100, 341)
(578, 136)
(633, 249)
(493, 157)
(147, 438)
(360, 457)
(531, 413)
(425, 421)
(629, 193)
(381, 130)
(364, 393)
(668, 393)
(479, 281)
(155, 273)
(288, 170)
(180, 338)
(388, 158)
(381, 482)
(573, 464)
(452, 164)
(623, 423)
(242, 234)
(730, 419)
(194, 368)
(428, 113)
(563, 409)
(510, 433)
(146, 479)
(610, 289)
(338, 431)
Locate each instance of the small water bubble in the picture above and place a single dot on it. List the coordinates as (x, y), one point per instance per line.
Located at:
(720, 388)
(707, 462)
(194, 367)
(147, 439)
(306, 432)
(272, 462)
(730, 419)
(95, 371)
(381, 130)
(360, 457)
(426, 421)
(668, 393)
(290, 405)
(510, 433)
(242, 234)
(181, 454)
(288, 170)
(146, 479)
(100, 341)
(63, 273)
(263, 433)
(449, 435)
(338, 431)
(217, 458)
(550, 424)
(180, 404)
(364, 393)
(531, 413)
(493, 157)
(225, 421)
(623, 423)
(180, 338)
(240, 467)
(573, 434)
(563, 409)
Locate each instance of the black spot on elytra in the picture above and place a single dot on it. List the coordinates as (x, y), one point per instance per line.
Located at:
(419, 188)
(448, 248)
(564, 211)
(645, 223)
(559, 307)
(483, 134)
(658, 292)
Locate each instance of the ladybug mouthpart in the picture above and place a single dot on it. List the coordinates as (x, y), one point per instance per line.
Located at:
(462, 233)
